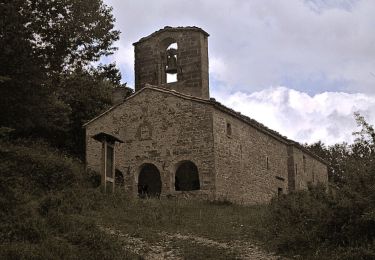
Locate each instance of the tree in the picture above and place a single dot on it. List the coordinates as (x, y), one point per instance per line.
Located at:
(87, 93)
(335, 155)
(345, 219)
(42, 44)
(64, 33)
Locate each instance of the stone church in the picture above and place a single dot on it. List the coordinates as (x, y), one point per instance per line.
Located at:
(169, 138)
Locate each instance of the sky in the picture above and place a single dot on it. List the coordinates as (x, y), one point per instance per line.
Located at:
(300, 67)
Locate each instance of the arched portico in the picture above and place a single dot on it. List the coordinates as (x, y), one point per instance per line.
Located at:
(149, 181)
(187, 176)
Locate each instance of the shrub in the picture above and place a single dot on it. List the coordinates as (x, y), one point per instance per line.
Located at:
(36, 167)
(299, 220)
(312, 222)
(43, 194)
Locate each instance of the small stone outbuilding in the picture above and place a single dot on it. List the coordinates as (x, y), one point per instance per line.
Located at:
(169, 138)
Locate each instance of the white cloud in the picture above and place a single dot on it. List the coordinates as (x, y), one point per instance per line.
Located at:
(327, 116)
(310, 45)
(323, 51)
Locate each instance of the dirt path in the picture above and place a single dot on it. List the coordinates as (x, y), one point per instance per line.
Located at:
(143, 248)
(162, 249)
(244, 249)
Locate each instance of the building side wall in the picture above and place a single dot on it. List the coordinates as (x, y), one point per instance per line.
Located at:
(161, 129)
(242, 175)
(307, 170)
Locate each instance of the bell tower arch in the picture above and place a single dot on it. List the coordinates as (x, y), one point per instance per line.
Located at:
(174, 58)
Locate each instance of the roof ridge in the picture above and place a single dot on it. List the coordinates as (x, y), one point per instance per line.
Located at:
(170, 28)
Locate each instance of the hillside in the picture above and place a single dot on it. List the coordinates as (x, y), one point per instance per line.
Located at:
(53, 209)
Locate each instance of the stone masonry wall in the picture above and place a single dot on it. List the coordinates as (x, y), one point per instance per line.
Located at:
(242, 175)
(192, 60)
(307, 169)
(160, 128)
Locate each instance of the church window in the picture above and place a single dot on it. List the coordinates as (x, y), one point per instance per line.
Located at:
(267, 163)
(229, 129)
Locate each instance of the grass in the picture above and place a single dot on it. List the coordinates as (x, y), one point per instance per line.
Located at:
(202, 218)
(41, 216)
(191, 250)
(53, 209)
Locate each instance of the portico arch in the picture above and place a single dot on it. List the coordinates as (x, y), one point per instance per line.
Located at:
(149, 181)
(187, 176)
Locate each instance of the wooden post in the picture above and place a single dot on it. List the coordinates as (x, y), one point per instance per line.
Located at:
(113, 167)
(105, 165)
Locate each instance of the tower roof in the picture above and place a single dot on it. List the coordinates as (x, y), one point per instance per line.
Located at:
(173, 29)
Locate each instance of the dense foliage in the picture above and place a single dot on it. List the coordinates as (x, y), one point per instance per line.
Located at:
(46, 46)
(42, 196)
(340, 224)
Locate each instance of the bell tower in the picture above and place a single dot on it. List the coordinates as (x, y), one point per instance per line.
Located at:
(174, 58)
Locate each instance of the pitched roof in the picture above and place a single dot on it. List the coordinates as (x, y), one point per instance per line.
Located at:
(108, 137)
(173, 29)
(259, 126)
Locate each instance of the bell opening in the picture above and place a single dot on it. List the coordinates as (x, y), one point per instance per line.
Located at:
(171, 78)
(171, 63)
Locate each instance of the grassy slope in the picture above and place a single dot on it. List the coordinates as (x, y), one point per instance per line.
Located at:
(151, 219)
(51, 210)
(41, 197)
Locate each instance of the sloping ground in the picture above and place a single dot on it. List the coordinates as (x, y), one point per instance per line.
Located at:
(173, 246)
(42, 199)
(184, 229)
(52, 210)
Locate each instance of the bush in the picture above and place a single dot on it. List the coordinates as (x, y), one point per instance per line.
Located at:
(312, 222)
(36, 167)
(43, 192)
(299, 220)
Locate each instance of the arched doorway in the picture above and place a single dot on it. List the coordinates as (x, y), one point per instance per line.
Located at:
(187, 177)
(149, 181)
(119, 178)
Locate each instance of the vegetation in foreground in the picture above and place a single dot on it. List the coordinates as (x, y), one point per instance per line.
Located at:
(41, 216)
(335, 225)
(53, 209)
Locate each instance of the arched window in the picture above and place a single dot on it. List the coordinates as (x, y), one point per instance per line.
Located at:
(171, 69)
(187, 177)
(149, 181)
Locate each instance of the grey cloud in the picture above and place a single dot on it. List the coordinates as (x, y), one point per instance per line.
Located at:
(263, 43)
(327, 116)
(323, 48)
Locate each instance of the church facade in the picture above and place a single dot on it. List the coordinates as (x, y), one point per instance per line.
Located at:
(169, 138)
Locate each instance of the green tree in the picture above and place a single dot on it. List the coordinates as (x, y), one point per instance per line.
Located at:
(315, 219)
(42, 44)
(87, 93)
